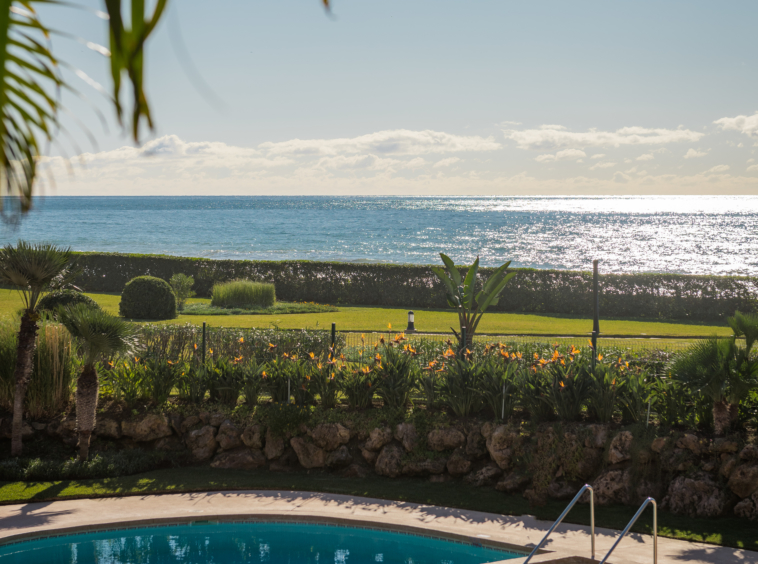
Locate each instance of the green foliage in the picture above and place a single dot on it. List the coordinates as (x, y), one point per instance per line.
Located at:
(192, 383)
(460, 387)
(182, 286)
(282, 418)
(498, 387)
(124, 380)
(568, 391)
(54, 367)
(605, 384)
(226, 378)
(244, 294)
(98, 332)
(147, 297)
(279, 308)
(396, 376)
(464, 295)
(672, 402)
(103, 465)
(642, 295)
(64, 298)
(160, 376)
(325, 382)
(359, 387)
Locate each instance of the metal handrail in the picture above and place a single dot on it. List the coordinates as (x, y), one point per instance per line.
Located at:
(629, 526)
(565, 512)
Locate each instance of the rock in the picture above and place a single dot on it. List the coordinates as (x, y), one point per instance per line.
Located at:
(476, 444)
(205, 417)
(169, 444)
(38, 426)
(190, 422)
(329, 436)
(487, 429)
(425, 467)
(389, 462)
(500, 445)
(339, 458)
(561, 490)
(710, 465)
(728, 464)
(175, 420)
(378, 438)
(369, 456)
(202, 442)
(750, 452)
(108, 428)
(151, 427)
(308, 454)
(598, 438)
(65, 429)
(458, 465)
(274, 445)
(445, 439)
(406, 434)
(722, 446)
(689, 442)
(486, 476)
(619, 450)
(744, 480)
(590, 462)
(748, 508)
(239, 459)
(284, 463)
(697, 496)
(354, 471)
(659, 443)
(228, 436)
(612, 486)
(513, 482)
(252, 436)
(217, 419)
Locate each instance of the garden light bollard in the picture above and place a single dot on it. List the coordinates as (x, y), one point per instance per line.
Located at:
(411, 325)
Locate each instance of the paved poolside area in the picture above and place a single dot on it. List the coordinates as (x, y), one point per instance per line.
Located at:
(32, 519)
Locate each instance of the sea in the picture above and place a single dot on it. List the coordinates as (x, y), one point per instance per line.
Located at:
(681, 234)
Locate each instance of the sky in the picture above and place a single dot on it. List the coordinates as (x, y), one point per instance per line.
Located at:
(423, 97)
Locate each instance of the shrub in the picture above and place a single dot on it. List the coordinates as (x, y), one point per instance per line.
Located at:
(182, 286)
(460, 387)
(397, 376)
(359, 387)
(148, 297)
(498, 387)
(244, 294)
(64, 298)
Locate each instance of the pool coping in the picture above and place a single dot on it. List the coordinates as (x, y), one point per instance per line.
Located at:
(569, 543)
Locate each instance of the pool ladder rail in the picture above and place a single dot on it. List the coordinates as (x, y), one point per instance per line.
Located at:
(631, 523)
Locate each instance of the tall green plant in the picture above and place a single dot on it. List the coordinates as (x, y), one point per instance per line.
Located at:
(100, 334)
(182, 286)
(397, 376)
(462, 294)
(33, 269)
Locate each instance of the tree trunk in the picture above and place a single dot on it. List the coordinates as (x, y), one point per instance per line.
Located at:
(27, 340)
(87, 387)
(734, 414)
(721, 418)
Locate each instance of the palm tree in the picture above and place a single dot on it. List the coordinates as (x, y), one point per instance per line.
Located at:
(100, 334)
(33, 269)
(722, 369)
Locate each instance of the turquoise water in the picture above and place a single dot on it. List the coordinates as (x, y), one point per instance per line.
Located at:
(685, 234)
(232, 543)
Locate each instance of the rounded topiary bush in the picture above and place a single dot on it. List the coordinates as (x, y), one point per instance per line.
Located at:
(64, 298)
(148, 297)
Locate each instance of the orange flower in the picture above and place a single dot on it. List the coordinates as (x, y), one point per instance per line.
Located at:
(311, 355)
(242, 339)
(271, 346)
(600, 357)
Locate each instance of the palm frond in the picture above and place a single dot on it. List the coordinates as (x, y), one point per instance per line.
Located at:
(35, 268)
(99, 332)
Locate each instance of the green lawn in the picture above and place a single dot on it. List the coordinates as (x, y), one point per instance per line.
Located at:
(376, 319)
(737, 533)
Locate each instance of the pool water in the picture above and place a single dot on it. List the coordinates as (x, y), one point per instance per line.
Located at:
(232, 543)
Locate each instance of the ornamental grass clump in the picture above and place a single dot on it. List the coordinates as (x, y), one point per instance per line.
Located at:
(243, 294)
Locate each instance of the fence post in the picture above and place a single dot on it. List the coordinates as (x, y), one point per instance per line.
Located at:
(203, 343)
(334, 335)
(596, 320)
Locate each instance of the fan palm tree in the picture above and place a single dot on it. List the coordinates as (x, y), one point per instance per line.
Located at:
(100, 334)
(33, 269)
(722, 369)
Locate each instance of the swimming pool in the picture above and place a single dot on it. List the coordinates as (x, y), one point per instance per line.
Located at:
(248, 542)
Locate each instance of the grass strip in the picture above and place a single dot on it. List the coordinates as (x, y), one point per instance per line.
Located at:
(729, 531)
(283, 308)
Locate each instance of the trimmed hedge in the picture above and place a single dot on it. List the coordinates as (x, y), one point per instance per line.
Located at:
(148, 297)
(648, 296)
(65, 298)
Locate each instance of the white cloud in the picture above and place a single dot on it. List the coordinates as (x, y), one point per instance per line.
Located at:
(646, 157)
(393, 142)
(695, 154)
(447, 162)
(753, 168)
(744, 124)
(565, 155)
(750, 161)
(717, 168)
(598, 156)
(551, 137)
(602, 165)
